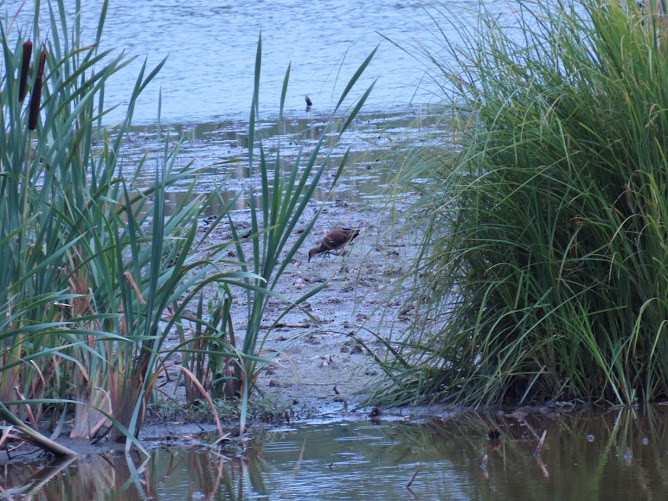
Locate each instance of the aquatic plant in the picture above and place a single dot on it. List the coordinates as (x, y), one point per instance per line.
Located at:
(285, 194)
(543, 268)
(83, 286)
(96, 273)
(90, 266)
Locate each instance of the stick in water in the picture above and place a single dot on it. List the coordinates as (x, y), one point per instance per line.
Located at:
(410, 482)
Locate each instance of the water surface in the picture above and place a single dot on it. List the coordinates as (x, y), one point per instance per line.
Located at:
(377, 144)
(615, 456)
(211, 49)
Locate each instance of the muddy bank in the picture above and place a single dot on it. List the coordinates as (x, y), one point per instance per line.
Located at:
(318, 367)
(327, 370)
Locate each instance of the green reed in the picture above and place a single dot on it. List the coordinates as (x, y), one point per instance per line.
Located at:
(543, 273)
(286, 190)
(90, 267)
(96, 275)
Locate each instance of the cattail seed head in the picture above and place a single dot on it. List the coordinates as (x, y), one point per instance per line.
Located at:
(33, 113)
(42, 61)
(25, 67)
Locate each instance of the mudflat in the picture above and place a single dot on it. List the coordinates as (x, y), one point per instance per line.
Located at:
(318, 364)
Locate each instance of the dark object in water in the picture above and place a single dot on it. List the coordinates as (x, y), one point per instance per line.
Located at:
(309, 103)
(334, 240)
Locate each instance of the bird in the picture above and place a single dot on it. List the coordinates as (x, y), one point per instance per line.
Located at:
(334, 240)
(309, 103)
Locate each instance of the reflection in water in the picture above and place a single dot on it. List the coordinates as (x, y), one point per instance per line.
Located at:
(616, 455)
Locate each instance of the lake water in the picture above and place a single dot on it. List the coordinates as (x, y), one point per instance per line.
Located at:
(619, 455)
(219, 152)
(211, 45)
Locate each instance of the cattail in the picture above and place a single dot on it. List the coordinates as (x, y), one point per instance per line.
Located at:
(42, 61)
(33, 115)
(25, 66)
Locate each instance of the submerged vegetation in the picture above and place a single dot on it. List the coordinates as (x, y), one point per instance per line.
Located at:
(543, 273)
(96, 275)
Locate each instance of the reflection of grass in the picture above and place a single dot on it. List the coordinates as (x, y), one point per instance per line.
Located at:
(188, 472)
(543, 268)
(576, 467)
(448, 452)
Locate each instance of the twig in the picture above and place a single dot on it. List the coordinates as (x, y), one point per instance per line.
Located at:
(283, 325)
(29, 413)
(27, 434)
(542, 467)
(410, 482)
(130, 278)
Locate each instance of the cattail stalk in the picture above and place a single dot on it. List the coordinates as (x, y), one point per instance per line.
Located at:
(33, 115)
(25, 67)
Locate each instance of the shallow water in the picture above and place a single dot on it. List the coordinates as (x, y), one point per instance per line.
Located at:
(617, 455)
(211, 49)
(377, 145)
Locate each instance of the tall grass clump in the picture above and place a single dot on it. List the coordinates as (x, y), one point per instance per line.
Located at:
(543, 272)
(95, 274)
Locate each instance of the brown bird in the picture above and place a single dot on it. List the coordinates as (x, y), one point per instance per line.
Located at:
(334, 240)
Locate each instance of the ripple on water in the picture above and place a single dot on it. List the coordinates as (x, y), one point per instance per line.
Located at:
(210, 49)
